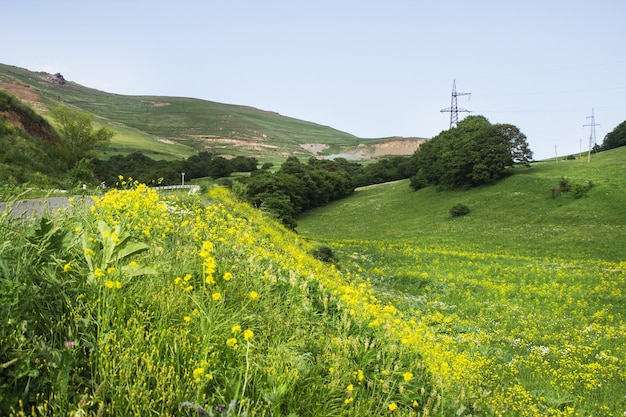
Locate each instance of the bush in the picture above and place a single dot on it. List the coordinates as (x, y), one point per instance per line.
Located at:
(459, 210)
(577, 190)
(325, 254)
(580, 190)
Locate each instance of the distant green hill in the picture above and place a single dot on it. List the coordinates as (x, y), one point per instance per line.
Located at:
(175, 127)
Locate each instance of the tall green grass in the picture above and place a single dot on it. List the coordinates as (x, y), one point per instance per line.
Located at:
(140, 304)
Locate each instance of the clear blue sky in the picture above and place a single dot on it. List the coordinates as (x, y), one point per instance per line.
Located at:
(370, 68)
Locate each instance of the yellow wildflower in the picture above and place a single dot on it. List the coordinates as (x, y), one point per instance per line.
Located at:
(187, 319)
(67, 267)
(197, 374)
(407, 376)
(254, 295)
(248, 334)
(89, 252)
(227, 276)
(216, 296)
(359, 375)
(133, 264)
(232, 342)
(112, 284)
(98, 273)
(393, 406)
(235, 329)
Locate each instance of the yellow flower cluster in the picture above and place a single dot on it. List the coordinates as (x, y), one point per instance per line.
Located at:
(200, 374)
(138, 209)
(112, 284)
(544, 317)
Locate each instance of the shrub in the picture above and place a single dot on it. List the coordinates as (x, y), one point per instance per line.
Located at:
(325, 254)
(563, 187)
(459, 210)
(580, 190)
(577, 190)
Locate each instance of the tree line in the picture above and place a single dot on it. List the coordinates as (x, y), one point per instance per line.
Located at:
(161, 172)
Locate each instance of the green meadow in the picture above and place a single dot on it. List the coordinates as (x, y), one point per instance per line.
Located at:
(518, 215)
(518, 305)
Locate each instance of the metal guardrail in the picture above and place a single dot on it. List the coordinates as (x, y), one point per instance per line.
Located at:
(192, 188)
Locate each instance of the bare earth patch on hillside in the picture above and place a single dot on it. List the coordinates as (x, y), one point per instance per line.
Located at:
(22, 91)
(314, 148)
(364, 151)
(217, 142)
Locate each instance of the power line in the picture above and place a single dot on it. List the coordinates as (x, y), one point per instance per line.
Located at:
(454, 108)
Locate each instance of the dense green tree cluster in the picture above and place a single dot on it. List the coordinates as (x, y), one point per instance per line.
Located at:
(387, 169)
(615, 138)
(296, 187)
(472, 154)
(149, 171)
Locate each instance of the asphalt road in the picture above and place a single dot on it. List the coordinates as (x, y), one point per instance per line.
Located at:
(39, 206)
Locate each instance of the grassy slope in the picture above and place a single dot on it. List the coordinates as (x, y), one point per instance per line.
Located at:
(517, 215)
(521, 301)
(140, 121)
(127, 139)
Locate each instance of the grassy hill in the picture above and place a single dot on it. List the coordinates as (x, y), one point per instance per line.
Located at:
(517, 215)
(520, 304)
(175, 127)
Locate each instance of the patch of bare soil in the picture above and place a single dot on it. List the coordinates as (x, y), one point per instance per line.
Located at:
(22, 91)
(364, 151)
(398, 147)
(254, 144)
(157, 103)
(314, 148)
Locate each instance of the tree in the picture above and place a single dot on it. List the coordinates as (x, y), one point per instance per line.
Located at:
(518, 146)
(77, 133)
(474, 153)
(219, 167)
(615, 138)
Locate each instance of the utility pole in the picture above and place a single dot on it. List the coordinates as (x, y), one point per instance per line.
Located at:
(454, 108)
(556, 155)
(592, 134)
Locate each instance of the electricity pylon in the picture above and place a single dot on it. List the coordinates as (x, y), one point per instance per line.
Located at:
(454, 108)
